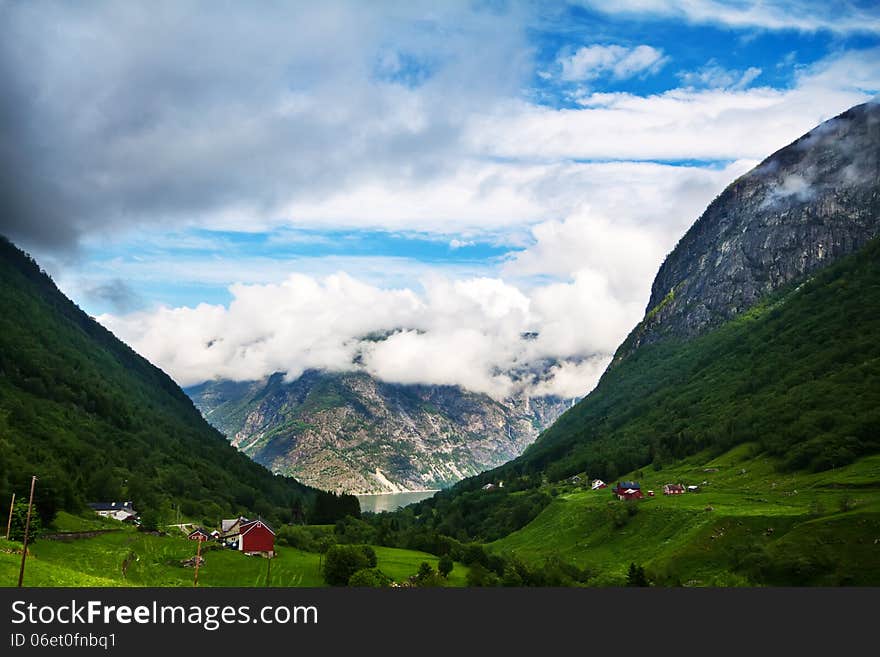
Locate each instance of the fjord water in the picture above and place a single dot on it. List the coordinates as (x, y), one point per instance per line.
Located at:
(380, 502)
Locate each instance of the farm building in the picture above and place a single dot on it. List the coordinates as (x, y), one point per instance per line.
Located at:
(257, 537)
(117, 510)
(597, 484)
(673, 489)
(627, 490)
(200, 534)
(230, 529)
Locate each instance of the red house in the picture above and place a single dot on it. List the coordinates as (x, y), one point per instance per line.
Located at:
(256, 537)
(200, 534)
(627, 490)
(673, 489)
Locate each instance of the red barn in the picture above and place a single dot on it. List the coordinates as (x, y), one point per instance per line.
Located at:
(256, 536)
(673, 489)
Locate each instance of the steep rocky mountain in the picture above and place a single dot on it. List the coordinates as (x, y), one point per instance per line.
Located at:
(803, 207)
(352, 432)
(761, 326)
(93, 420)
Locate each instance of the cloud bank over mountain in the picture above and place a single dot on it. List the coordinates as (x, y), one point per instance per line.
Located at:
(555, 151)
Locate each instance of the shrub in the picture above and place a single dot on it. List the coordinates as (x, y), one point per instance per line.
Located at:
(369, 578)
(445, 565)
(343, 561)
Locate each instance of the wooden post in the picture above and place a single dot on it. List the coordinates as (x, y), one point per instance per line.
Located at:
(268, 570)
(27, 528)
(9, 522)
(198, 558)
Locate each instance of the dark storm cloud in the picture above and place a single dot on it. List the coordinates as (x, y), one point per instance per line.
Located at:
(120, 113)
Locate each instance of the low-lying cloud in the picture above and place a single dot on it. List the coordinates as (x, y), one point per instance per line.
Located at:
(473, 333)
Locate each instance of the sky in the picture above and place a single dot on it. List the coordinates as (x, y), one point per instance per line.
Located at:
(462, 193)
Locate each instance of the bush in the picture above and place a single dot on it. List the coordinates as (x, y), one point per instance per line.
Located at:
(369, 578)
(479, 575)
(445, 565)
(343, 561)
(297, 536)
(427, 576)
(19, 520)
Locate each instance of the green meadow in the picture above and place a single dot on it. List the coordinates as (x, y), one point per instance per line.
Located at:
(748, 524)
(151, 560)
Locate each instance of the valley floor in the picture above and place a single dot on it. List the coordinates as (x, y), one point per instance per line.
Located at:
(749, 524)
(155, 561)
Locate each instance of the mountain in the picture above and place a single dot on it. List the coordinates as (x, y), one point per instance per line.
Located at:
(349, 431)
(801, 208)
(761, 331)
(95, 421)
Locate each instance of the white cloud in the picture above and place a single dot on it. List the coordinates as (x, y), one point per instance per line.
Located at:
(801, 15)
(457, 332)
(589, 62)
(687, 123)
(182, 122)
(717, 77)
(460, 244)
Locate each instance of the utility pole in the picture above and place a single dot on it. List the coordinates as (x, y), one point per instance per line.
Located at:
(198, 558)
(27, 528)
(9, 522)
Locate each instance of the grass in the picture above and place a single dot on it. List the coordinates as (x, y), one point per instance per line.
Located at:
(749, 524)
(155, 561)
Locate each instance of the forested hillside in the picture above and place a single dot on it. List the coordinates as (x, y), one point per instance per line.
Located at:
(95, 421)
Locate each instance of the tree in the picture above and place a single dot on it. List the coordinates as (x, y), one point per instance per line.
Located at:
(427, 576)
(479, 575)
(636, 576)
(425, 571)
(343, 561)
(19, 520)
(150, 520)
(445, 565)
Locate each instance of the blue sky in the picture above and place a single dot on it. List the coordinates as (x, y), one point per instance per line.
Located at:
(476, 169)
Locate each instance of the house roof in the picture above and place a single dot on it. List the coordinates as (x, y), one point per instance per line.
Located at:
(200, 530)
(111, 506)
(629, 484)
(251, 524)
(226, 525)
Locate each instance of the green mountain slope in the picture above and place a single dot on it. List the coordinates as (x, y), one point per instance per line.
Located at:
(95, 421)
(797, 377)
(749, 524)
(798, 374)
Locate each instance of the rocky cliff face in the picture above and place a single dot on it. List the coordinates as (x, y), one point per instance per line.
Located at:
(353, 433)
(804, 206)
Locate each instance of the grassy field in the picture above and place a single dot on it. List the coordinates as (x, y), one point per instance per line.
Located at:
(155, 561)
(748, 524)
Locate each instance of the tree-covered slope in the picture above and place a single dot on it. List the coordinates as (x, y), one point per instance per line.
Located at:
(95, 421)
(798, 374)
